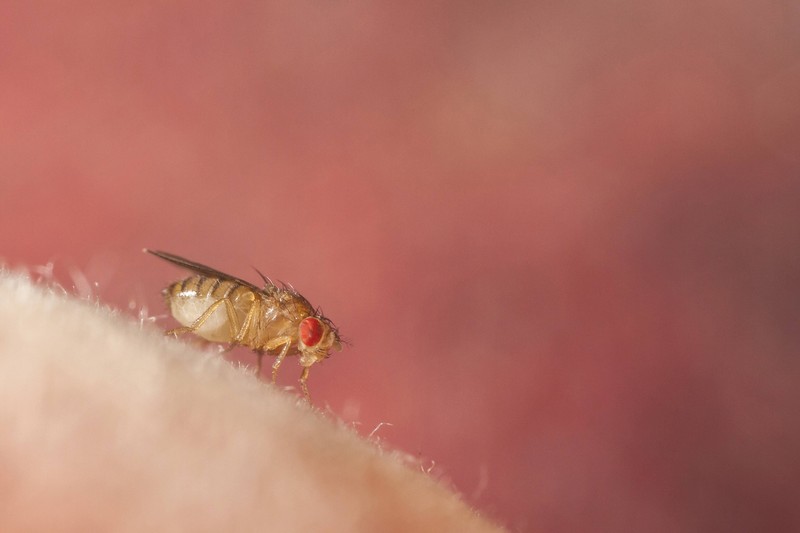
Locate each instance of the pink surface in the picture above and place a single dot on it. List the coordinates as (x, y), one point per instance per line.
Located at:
(563, 240)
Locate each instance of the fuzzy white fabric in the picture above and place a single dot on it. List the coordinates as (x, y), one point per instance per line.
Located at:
(106, 425)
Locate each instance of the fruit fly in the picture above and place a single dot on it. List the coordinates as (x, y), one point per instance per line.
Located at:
(269, 320)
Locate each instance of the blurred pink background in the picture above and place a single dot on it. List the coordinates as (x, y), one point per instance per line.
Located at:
(564, 239)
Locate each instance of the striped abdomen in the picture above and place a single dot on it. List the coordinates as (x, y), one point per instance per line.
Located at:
(190, 298)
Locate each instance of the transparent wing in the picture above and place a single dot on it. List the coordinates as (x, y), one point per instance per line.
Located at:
(202, 269)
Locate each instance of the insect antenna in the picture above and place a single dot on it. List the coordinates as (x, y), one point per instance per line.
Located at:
(321, 315)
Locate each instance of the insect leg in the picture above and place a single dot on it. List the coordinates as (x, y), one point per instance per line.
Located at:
(277, 364)
(200, 320)
(248, 321)
(303, 384)
(274, 343)
(232, 324)
(260, 356)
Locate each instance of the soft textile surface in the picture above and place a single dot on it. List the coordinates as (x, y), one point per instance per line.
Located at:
(109, 426)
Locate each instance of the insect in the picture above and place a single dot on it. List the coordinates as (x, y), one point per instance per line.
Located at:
(269, 320)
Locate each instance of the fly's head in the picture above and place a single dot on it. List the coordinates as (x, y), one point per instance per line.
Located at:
(316, 338)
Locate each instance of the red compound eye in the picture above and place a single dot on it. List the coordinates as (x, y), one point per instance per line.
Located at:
(310, 331)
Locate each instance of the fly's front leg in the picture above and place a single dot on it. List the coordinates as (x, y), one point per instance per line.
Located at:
(274, 343)
(303, 384)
